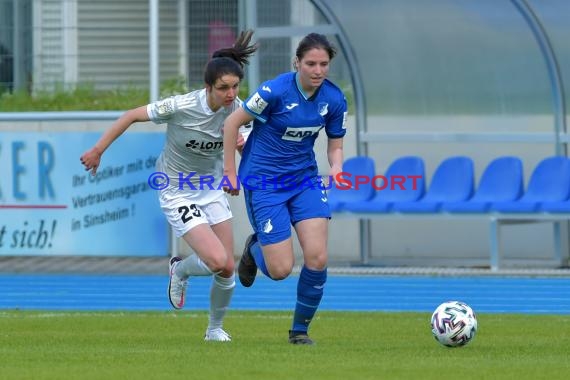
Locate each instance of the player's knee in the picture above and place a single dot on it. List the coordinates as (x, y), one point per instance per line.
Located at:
(218, 263)
(279, 273)
(317, 261)
(228, 269)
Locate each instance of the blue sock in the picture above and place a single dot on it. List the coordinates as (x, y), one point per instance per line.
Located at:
(257, 254)
(309, 294)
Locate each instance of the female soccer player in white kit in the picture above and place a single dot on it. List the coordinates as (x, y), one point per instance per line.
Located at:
(194, 152)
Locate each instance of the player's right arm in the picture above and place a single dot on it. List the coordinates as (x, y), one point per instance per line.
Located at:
(91, 158)
(231, 129)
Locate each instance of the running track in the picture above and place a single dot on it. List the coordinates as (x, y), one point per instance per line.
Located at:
(534, 295)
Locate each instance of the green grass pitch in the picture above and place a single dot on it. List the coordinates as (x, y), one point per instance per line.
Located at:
(350, 345)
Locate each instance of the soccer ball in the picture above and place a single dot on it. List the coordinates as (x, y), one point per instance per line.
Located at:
(453, 324)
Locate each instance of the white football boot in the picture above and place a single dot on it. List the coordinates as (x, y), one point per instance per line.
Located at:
(176, 286)
(217, 335)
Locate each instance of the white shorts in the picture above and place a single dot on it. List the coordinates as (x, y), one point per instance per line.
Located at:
(186, 210)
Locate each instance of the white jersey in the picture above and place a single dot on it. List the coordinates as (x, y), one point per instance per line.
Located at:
(194, 141)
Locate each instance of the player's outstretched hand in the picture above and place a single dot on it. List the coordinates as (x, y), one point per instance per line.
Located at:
(91, 160)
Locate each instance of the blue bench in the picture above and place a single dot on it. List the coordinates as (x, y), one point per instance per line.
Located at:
(499, 196)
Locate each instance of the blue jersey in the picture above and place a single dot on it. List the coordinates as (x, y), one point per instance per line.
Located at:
(286, 126)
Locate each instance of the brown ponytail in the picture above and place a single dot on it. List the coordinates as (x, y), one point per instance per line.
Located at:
(230, 60)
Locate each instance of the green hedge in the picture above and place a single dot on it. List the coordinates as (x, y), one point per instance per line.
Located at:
(85, 97)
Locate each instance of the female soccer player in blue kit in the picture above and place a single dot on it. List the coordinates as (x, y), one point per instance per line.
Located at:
(280, 177)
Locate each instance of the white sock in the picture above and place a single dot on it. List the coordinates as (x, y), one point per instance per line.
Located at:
(192, 266)
(220, 297)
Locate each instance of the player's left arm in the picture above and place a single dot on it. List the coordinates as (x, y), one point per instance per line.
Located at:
(335, 156)
(336, 129)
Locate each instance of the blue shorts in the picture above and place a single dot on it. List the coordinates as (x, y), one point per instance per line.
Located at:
(271, 211)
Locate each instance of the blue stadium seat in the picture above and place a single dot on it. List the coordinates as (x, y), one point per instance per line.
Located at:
(400, 169)
(555, 207)
(452, 181)
(353, 166)
(501, 181)
(549, 183)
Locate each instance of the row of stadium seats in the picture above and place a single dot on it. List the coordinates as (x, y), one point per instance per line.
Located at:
(452, 190)
(500, 194)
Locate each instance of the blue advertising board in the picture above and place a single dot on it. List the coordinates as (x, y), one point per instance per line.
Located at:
(49, 204)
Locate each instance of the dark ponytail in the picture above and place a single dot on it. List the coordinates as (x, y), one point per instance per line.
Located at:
(230, 60)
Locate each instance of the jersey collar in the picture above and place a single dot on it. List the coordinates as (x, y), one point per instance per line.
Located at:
(203, 96)
(302, 92)
(204, 102)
